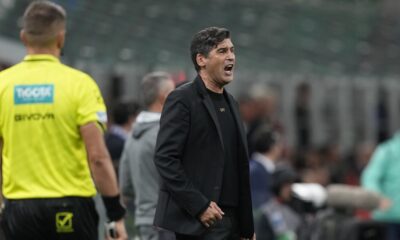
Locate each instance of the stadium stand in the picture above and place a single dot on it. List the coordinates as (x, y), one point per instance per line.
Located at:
(318, 36)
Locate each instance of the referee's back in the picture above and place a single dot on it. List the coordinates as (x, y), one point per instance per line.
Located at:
(42, 104)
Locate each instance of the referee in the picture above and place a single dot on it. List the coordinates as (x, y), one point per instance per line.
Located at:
(51, 122)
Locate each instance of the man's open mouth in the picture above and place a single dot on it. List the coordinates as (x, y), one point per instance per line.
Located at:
(228, 68)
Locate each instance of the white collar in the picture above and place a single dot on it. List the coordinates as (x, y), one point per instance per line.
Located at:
(146, 116)
(267, 163)
(120, 131)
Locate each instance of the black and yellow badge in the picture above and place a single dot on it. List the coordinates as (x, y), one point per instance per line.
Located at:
(64, 222)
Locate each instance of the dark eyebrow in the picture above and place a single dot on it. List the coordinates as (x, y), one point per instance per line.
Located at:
(222, 48)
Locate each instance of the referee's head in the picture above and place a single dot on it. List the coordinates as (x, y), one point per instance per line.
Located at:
(44, 25)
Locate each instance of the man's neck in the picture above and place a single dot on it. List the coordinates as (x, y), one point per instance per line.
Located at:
(49, 51)
(127, 126)
(263, 158)
(210, 83)
(155, 107)
(270, 156)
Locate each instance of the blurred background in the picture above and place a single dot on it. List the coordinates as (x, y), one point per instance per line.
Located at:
(345, 53)
(323, 73)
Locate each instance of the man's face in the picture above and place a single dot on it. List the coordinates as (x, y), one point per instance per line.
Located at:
(220, 63)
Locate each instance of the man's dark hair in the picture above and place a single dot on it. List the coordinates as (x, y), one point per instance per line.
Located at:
(42, 21)
(205, 40)
(264, 139)
(152, 85)
(123, 110)
(282, 175)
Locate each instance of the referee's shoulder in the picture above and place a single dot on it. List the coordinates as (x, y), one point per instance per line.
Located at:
(76, 73)
(10, 70)
(7, 75)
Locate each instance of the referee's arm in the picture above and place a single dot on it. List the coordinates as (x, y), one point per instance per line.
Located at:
(104, 175)
(99, 160)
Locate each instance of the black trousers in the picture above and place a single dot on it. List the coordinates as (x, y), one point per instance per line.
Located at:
(225, 229)
(67, 218)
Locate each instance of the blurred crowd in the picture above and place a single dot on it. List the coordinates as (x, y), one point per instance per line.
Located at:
(322, 164)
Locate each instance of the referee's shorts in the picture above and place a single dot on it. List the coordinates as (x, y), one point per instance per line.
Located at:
(68, 218)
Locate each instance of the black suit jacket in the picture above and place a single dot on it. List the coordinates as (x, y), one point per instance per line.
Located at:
(190, 159)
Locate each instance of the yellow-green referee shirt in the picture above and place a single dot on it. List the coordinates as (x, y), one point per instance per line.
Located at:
(42, 105)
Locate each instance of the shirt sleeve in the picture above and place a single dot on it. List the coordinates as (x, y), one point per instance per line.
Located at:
(372, 175)
(91, 107)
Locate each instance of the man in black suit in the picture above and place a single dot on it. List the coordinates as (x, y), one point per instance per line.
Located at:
(201, 152)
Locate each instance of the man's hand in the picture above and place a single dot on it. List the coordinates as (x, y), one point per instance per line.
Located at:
(212, 214)
(252, 238)
(121, 231)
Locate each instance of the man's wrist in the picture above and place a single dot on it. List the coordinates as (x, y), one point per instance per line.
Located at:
(203, 209)
(114, 209)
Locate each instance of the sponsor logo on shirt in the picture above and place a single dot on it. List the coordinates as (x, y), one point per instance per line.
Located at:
(31, 94)
(33, 117)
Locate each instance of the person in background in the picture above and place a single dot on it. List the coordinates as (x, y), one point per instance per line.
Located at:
(278, 220)
(382, 176)
(123, 115)
(53, 156)
(302, 115)
(258, 108)
(201, 151)
(268, 150)
(139, 179)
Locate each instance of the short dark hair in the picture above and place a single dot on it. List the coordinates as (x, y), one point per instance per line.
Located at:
(205, 40)
(42, 21)
(123, 110)
(264, 139)
(151, 86)
(282, 175)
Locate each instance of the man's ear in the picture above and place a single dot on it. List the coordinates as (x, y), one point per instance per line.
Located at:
(161, 98)
(201, 60)
(22, 36)
(60, 39)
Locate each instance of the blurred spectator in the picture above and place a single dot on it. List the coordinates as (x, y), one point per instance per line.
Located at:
(267, 151)
(122, 116)
(382, 116)
(330, 156)
(247, 109)
(315, 170)
(258, 107)
(357, 162)
(278, 221)
(382, 176)
(303, 115)
(139, 178)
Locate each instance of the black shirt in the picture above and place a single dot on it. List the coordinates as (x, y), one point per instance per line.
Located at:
(230, 184)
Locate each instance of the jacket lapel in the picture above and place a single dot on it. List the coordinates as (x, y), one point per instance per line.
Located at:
(206, 99)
